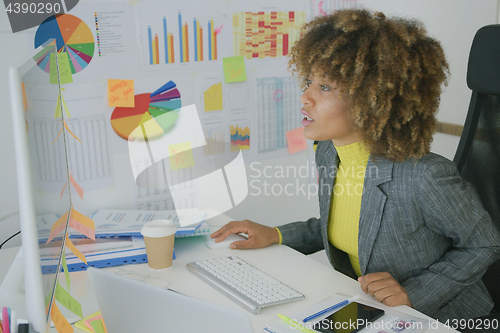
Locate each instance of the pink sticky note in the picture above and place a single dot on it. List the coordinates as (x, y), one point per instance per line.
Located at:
(296, 140)
(89, 232)
(76, 186)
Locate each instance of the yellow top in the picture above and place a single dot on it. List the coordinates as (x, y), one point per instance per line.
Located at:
(345, 206)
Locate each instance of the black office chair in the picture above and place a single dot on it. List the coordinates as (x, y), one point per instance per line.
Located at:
(478, 153)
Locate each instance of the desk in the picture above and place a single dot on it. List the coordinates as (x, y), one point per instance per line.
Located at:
(315, 280)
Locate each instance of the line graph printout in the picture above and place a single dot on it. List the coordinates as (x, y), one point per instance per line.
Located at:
(278, 111)
(212, 97)
(238, 97)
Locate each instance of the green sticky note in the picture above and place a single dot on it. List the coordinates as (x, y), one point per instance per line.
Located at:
(234, 69)
(53, 69)
(65, 267)
(66, 300)
(64, 68)
(47, 299)
(97, 326)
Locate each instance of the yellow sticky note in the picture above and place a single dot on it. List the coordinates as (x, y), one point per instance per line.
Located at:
(234, 69)
(66, 300)
(75, 251)
(64, 68)
(53, 69)
(57, 227)
(58, 113)
(97, 326)
(82, 224)
(65, 267)
(180, 155)
(61, 324)
(296, 140)
(121, 93)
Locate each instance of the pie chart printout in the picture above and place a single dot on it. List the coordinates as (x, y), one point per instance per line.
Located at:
(154, 113)
(72, 35)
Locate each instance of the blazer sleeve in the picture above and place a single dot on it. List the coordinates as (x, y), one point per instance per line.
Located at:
(450, 206)
(304, 237)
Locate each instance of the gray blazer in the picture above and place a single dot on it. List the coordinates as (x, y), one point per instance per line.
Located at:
(420, 222)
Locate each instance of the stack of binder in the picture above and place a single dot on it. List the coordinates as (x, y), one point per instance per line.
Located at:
(118, 240)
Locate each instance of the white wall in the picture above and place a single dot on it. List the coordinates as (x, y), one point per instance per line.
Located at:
(454, 22)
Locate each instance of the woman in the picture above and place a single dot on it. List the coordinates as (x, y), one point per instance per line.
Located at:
(393, 215)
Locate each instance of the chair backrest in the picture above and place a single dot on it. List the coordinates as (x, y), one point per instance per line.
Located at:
(478, 153)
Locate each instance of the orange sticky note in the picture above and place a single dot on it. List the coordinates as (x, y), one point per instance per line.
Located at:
(57, 227)
(79, 217)
(76, 186)
(121, 93)
(25, 100)
(75, 251)
(61, 324)
(57, 137)
(296, 140)
(67, 128)
(62, 191)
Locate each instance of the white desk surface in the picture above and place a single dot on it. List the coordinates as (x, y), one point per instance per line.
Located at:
(315, 280)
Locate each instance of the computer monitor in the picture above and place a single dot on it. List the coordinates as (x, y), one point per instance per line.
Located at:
(42, 172)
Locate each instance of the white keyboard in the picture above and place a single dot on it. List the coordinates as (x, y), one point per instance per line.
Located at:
(245, 284)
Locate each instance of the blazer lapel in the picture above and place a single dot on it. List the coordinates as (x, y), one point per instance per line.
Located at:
(378, 171)
(327, 170)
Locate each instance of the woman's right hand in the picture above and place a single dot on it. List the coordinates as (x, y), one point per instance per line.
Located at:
(258, 235)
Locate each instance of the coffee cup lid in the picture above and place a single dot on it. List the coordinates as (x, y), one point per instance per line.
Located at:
(158, 228)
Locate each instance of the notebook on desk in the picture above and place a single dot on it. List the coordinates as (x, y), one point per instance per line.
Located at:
(131, 306)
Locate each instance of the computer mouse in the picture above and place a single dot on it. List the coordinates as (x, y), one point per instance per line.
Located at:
(225, 243)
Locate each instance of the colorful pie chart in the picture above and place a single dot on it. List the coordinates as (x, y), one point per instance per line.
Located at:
(153, 114)
(71, 35)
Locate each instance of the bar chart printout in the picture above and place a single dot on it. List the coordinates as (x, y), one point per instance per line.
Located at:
(216, 141)
(193, 41)
(266, 34)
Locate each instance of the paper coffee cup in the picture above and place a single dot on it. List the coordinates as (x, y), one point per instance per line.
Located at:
(159, 237)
